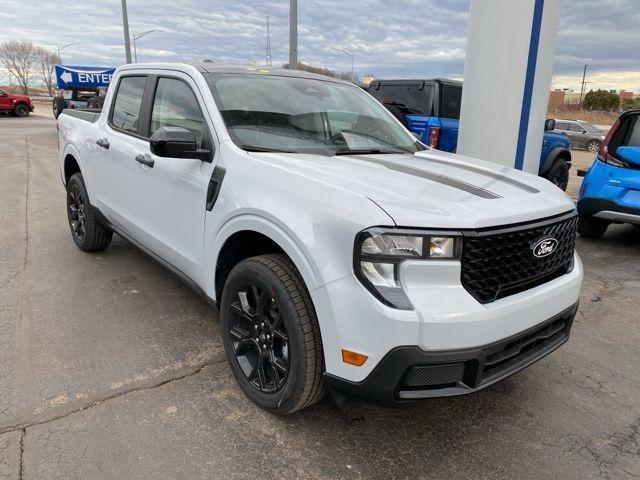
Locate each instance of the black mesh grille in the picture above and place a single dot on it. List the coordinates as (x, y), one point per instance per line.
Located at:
(500, 262)
(434, 375)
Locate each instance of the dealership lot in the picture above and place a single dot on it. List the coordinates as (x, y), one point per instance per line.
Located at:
(110, 367)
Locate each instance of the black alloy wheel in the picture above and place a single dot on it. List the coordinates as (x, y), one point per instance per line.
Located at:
(259, 338)
(76, 211)
(21, 110)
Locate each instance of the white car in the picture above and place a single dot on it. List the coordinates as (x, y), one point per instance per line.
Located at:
(342, 254)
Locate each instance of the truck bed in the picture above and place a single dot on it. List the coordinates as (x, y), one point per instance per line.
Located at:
(90, 115)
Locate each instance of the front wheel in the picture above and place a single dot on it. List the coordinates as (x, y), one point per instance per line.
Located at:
(594, 146)
(590, 227)
(271, 335)
(559, 174)
(21, 110)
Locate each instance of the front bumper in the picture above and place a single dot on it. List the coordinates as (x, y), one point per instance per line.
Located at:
(410, 373)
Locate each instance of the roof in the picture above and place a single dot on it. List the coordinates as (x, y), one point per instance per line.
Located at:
(222, 68)
(409, 81)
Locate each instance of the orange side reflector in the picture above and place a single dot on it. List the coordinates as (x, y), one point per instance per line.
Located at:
(353, 358)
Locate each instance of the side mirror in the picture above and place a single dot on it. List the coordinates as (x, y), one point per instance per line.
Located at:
(549, 124)
(629, 154)
(177, 142)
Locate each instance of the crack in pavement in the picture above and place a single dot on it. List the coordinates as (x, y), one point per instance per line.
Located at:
(21, 463)
(24, 426)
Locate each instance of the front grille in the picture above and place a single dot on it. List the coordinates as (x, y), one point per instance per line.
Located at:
(497, 263)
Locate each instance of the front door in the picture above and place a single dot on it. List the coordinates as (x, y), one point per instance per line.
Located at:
(5, 102)
(170, 212)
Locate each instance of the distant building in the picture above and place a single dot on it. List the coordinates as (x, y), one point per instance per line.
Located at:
(367, 80)
(624, 95)
(556, 99)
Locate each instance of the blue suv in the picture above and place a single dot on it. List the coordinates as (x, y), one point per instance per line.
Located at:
(610, 191)
(431, 110)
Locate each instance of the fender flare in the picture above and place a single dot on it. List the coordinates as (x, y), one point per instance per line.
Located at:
(70, 149)
(552, 157)
(280, 234)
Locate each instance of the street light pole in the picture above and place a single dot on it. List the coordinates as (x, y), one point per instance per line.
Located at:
(584, 76)
(136, 36)
(125, 26)
(293, 34)
(350, 58)
(62, 48)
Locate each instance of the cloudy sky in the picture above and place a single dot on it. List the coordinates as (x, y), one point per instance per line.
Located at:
(392, 38)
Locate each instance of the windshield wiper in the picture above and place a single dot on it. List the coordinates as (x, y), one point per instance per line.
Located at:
(254, 148)
(367, 151)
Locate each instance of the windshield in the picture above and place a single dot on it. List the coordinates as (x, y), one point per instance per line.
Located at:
(301, 115)
(589, 128)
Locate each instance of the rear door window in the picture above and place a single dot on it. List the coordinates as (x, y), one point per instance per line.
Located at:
(450, 101)
(412, 98)
(125, 114)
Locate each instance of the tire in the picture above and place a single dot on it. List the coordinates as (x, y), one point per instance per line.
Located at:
(590, 227)
(281, 376)
(21, 110)
(559, 174)
(593, 146)
(87, 232)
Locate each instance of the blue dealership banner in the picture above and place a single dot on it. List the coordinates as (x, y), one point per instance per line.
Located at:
(88, 77)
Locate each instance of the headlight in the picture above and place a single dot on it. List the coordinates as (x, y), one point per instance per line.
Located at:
(379, 252)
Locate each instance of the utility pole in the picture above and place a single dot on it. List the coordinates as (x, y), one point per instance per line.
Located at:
(125, 26)
(268, 56)
(350, 58)
(582, 87)
(293, 34)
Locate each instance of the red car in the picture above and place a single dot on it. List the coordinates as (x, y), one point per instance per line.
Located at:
(16, 104)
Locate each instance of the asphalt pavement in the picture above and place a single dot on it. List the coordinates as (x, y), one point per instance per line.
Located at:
(112, 368)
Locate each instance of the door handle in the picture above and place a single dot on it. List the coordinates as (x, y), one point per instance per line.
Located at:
(145, 160)
(103, 142)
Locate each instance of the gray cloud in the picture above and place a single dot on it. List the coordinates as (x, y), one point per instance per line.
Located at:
(407, 38)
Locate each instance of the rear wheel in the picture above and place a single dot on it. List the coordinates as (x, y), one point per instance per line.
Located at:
(559, 174)
(594, 146)
(21, 110)
(88, 234)
(271, 335)
(591, 227)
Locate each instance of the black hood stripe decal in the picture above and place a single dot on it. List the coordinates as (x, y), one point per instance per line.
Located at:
(436, 177)
(486, 173)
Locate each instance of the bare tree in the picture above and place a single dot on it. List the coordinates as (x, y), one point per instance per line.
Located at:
(46, 63)
(19, 59)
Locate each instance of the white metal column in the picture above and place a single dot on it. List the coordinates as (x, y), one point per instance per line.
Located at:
(507, 77)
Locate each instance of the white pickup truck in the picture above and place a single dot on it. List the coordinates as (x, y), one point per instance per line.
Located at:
(341, 253)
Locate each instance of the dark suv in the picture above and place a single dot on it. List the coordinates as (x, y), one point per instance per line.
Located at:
(581, 134)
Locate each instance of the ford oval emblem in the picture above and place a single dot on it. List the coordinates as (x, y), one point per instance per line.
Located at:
(545, 247)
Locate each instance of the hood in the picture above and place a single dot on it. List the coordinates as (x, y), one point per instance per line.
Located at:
(434, 189)
(20, 97)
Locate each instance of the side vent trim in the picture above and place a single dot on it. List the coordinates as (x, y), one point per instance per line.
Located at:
(214, 186)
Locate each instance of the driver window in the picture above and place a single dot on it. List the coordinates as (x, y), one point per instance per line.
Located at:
(175, 105)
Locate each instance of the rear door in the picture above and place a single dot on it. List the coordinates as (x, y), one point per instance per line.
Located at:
(113, 158)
